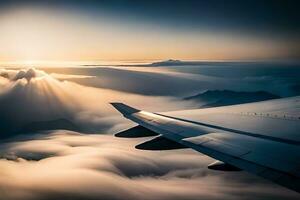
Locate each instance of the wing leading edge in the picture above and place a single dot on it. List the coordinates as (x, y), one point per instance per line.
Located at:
(271, 158)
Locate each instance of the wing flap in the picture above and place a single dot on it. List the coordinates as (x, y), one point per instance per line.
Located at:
(136, 132)
(209, 141)
(160, 143)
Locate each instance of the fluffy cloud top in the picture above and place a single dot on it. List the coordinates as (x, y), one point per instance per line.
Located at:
(32, 98)
(72, 165)
(69, 165)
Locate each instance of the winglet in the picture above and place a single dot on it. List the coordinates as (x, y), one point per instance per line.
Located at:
(124, 109)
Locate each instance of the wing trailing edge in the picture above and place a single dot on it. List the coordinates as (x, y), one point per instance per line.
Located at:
(221, 166)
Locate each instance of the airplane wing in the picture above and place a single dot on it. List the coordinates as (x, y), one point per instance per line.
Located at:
(262, 138)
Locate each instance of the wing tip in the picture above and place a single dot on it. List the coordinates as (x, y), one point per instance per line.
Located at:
(123, 108)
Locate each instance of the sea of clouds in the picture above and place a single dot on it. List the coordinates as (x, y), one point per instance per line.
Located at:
(70, 165)
(61, 164)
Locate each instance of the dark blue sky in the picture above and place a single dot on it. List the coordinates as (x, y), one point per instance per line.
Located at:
(251, 16)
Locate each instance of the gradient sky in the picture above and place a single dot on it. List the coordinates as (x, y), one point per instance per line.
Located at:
(148, 30)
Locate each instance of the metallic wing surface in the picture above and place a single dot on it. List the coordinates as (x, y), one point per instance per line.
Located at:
(262, 138)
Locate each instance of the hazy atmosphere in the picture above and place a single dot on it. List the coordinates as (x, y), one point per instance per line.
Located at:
(148, 30)
(63, 62)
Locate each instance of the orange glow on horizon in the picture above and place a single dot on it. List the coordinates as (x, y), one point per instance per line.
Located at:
(55, 36)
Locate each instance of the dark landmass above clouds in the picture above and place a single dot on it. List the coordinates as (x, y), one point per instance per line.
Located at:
(172, 62)
(215, 98)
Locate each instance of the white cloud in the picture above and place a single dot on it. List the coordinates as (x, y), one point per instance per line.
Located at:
(34, 96)
(70, 165)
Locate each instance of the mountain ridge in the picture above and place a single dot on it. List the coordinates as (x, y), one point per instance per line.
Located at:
(216, 98)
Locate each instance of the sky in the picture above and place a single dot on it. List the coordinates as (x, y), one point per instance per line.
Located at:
(148, 30)
(86, 161)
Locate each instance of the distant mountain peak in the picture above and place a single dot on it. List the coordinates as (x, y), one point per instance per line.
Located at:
(215, 98)
(166, 62)
(172, 60)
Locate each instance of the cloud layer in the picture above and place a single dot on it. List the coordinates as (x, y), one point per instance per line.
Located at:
(179, 81)
(28, 96)
(69, 165)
